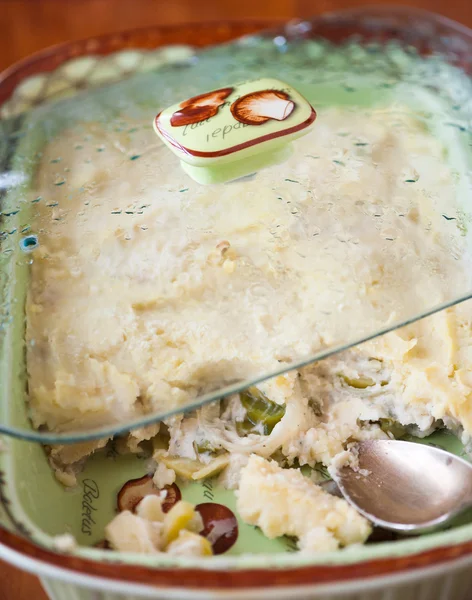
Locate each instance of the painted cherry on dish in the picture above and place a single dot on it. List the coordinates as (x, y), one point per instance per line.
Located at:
(220, 526)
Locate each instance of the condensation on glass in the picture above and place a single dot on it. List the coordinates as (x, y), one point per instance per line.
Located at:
(129, 292)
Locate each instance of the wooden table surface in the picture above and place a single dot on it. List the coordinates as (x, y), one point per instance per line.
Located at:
(30, 25)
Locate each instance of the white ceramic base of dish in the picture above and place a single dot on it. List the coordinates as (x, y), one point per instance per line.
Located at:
(456, 585)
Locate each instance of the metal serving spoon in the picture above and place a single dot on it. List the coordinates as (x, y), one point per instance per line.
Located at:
(407, 487)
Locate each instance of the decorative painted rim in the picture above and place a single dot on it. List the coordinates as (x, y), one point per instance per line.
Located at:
(226, 579)
(238, 147)
(421, 29)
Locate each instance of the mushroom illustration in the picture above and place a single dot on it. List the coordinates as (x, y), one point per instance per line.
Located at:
(134, 490)
(257, 108)
(199, 108)
(220, 526)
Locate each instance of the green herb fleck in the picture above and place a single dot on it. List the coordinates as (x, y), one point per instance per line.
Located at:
(290, 544)
(359, 383)
(396, 429)
(135, 157)
(323, 471)
(260, 411)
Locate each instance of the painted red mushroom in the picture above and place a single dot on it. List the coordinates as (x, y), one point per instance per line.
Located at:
(199, 108)
(134, 490)
(257, 108)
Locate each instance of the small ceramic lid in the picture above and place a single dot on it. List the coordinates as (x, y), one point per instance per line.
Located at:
(216, 133)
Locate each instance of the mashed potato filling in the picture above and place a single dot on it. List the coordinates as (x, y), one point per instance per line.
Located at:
(285, 502)
(148, 290)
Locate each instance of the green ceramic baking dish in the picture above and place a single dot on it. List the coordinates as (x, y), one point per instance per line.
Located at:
(35, 508)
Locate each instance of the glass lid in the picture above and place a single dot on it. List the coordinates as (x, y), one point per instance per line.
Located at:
(142, 275)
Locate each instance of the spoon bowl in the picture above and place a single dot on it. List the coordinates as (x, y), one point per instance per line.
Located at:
(405, 486)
